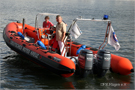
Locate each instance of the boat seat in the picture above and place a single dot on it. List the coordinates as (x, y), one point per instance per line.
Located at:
(45, 35)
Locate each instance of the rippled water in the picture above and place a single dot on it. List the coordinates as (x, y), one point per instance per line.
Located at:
(19, 73)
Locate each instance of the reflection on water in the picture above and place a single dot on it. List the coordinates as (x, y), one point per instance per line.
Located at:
(22, 73)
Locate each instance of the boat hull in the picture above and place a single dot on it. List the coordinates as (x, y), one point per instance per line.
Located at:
(51, 60)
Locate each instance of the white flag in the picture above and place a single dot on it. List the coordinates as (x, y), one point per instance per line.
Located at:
(75, 31)
(112, 39)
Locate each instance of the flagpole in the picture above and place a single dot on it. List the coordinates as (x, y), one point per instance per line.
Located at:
(72, 24)
(107, 36)
(108, 25)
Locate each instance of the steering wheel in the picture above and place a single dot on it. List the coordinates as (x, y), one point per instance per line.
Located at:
(51, 31)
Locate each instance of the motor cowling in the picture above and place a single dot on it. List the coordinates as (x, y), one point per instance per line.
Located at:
(85, 62)
(104, 59)
(103, 62)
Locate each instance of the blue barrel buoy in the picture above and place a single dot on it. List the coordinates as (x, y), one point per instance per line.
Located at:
(41, 44)
(21, 35)
(82, 47)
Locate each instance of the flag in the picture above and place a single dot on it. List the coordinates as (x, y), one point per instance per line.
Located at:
(75, 31)
(112, 39)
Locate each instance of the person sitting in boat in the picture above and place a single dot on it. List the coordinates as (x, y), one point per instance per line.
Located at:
(47, 24)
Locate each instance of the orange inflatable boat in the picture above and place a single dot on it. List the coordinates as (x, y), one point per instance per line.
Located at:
(40, 46)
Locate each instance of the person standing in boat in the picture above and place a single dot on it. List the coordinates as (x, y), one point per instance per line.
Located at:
(47, 24)
(60, 33)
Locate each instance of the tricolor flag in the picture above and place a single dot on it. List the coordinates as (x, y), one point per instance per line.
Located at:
(75, 31)
(112, 39)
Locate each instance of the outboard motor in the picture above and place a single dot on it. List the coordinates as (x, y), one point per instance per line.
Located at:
(85, 62)
(103, 63)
